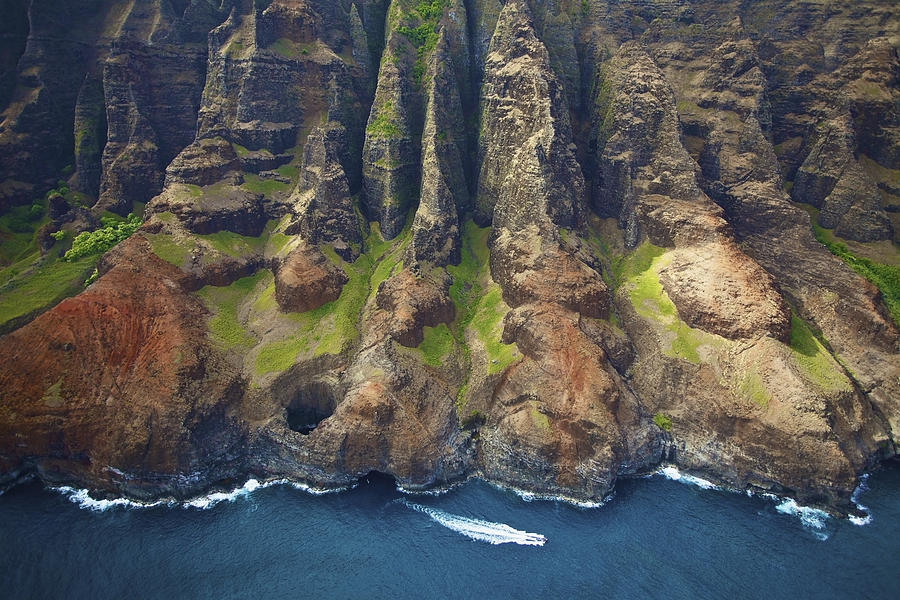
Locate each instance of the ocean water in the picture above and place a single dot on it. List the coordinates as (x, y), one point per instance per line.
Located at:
(667, 536)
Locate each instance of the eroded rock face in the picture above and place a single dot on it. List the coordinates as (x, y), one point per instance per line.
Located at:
(306, 280)
(125, 391)
(551, 243)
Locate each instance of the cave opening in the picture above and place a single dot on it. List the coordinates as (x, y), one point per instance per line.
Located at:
(313, 403)
(379, 480)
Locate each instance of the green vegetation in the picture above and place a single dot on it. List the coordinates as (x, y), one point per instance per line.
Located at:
(241, 151)
(662, 421)
(234, 244)
(177, 248)
(813, 359)
(488, 322)
(277, 242)
(30, 281)
(266, 187)
(885, 277)
(92, 277)
(331, 327)
(753, 388)
(234, 49)
(385, 123)
(43, 285)
(478, 303)
(437, 343)
(266, 300)
(99, 241)
(18, 232)
(422, 32)
(290, 171)
(290, 49)
(170, 248)
(539, 419)
(224, 326)
(603, 101)
(651, 302)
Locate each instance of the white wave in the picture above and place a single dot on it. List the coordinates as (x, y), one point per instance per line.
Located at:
(482, 531)
(210, 500)
(83, 499)
(532, 496)
(439, 491)
(812, 519)
(672, 472)
(862, 487)
(863, 520)
(309, 489)
(866, 517)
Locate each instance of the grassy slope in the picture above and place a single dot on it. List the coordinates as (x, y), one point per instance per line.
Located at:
(479, 305)
(331, 327)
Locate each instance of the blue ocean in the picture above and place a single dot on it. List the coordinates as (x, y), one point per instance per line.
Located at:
(665, 536)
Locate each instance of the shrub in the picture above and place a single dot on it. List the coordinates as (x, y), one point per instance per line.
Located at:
(885, 277)
(101, 240)
(663, 422)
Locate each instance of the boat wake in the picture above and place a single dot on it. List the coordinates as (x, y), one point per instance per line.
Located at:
(482, 531)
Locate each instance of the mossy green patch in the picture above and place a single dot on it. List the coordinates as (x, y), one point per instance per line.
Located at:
(276, 357)
(814, 361)
(18, 231)
(225, 303)
(291, 49)
(234, 244)
(885, 277)
(662, 421)
(437, 343)
(266, 187)
(289, 171)
(172, 249)
(539, 419)
(650, 301)
(488, 322)
(752, 387)
(43, 285)
(265, 302)
(241, 151)
(384, 124)
(479, 305)
(330, 328)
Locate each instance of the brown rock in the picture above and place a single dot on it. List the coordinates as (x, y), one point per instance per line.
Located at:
(117, 388)
(306, 280)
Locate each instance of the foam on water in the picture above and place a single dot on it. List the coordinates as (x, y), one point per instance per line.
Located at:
(476, 529)
(813, 519)
(83, 499)
(866, 518)
(532, 496)
(210, 500)
(672, 472)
